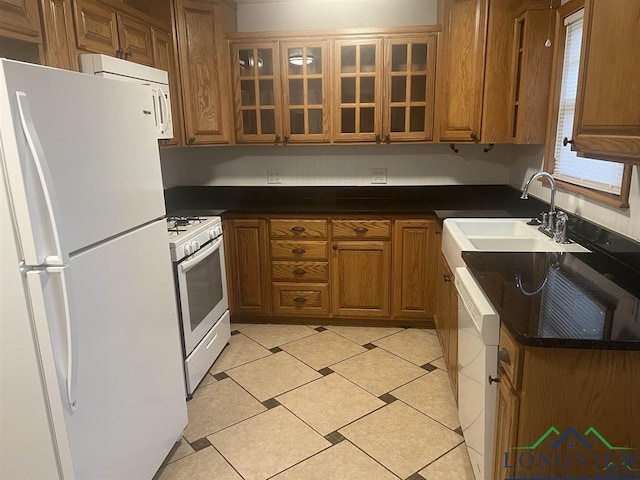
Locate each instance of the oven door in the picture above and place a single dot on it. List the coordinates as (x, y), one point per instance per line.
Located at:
(202, 282)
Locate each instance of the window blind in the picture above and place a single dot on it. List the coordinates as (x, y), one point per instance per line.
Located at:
(591, 173)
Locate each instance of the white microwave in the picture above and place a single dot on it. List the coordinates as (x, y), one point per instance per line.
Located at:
(110, 67)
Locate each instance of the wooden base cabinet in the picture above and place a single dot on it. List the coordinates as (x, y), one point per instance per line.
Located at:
(507, 409)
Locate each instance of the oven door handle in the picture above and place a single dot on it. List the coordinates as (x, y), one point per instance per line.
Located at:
(201, 255)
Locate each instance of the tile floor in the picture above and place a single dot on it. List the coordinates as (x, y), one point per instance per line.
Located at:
(296, 402)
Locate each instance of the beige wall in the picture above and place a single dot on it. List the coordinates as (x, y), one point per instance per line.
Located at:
(336, 165)
(260, 16)
(528, 160)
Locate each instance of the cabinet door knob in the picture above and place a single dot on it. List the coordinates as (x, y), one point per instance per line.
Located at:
(128, 54)
(299, 271)
(474, 137)
(276, 140)
(298, 250)
(387, 139)
(191, 140)
(361, 229)
(297, 229)
(119, 53)
(335, 247)
(300, 300)
(285, 140)
(503, 356)
(493, 380)
(446, 277)
(378, 139)
(566, 141)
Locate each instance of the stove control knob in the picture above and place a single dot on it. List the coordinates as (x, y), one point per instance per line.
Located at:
(212, 233)
(218, 231)
(195, 245)
(188, 250)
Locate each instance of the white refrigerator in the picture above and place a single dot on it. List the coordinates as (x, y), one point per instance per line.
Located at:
(91, 379)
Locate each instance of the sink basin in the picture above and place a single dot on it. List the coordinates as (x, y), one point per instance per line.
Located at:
(496, 235)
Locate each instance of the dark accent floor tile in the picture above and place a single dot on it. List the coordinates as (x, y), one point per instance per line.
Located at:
(334, 437)
(416, 476)
(220, 376)
(325, 371)
(458, 430)
(275, 349)
(319, 329)
(235, 332)
(369, 346)
(201, 443)
(271, 403)
(428, 367)
(387, 398)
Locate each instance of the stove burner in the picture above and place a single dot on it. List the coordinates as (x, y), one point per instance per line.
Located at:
(175, 222)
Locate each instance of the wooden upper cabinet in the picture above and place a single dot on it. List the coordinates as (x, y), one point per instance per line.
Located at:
(607, 118)
(357, 108)
(305, 87)
(135, 40)
(258, 108)
(96, 28)
(410, 66)
(20, 19)
(164, 58)
(59, 45)
(462, 73)
(202, 75)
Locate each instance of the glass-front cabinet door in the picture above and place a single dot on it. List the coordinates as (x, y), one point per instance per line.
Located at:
(410, 88)
(357, 90)
(305, 73)
(257, 92)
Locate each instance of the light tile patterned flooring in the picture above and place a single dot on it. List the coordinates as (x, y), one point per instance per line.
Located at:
(296, 402)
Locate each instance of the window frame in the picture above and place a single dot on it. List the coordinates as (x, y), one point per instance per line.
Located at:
(620, 201)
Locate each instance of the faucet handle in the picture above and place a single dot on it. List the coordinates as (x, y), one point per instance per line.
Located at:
(545, 220)
(560, 230)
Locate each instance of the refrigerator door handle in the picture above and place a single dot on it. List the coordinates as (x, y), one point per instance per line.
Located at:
(46, 319)
(42, 170)
(165, 111)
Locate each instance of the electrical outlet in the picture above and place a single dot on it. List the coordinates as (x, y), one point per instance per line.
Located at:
(378, 175)
(273, 176)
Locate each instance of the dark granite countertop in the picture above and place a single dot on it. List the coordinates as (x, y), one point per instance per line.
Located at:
(564, 300)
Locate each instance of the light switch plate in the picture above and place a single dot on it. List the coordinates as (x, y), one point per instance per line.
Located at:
(378, 175)
(273, 176)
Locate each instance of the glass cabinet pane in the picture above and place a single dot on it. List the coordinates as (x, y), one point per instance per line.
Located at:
(297, 121)
(268, 121)
(246, 61)
(367, 89)
(296, 91)
(367, 123)
(348, 59)
(314, 88)
(419, 57)
(397, 119)
(266, 92)
(315, 120)
(348, 120)
(398, 89)
(249, 122)
(314, 60)
(248, 92)
(295, 61)
(367, 58)
(399, 58)
(417, 119)
(265, 61)
(348, 90)
(418, 88)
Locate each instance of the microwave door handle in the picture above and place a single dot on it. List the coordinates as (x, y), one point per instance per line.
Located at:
(200, 255)
(43, 182)
(165, 111)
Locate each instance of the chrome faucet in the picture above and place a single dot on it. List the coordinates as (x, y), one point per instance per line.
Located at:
(549, 224)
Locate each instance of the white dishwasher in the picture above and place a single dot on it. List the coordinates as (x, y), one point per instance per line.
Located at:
(478, 339)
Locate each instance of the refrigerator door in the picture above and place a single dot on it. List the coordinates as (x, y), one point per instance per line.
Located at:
(127, 382)
(79, 152)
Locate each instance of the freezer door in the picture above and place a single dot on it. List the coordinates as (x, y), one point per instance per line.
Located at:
(123, 345)
(81, 156)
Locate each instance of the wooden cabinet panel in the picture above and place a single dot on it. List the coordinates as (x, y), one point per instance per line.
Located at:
(362, 229)
(447, 321)
(360, 278)
(96, 28)
(20, 19)
(299, 271)
(298, 228)
(507, 411)
(462, 73)
(415, 268)
(607, 122)
(135, 40)
(246, 242)
(60, 45)
(510, 356)
(206, 119)
(299, 250)
(357, 107)
(164, 58)
(409, 75)
(301, 299)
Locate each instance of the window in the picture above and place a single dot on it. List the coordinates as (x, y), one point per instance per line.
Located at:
(607, 181)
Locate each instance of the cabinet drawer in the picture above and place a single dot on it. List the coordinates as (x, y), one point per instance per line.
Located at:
(299, 271)
(361, 228)
(298, 250)
(292, 228)
(300, 299)
(510, 354)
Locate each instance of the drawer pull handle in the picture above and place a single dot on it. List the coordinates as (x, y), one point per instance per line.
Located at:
(503, 356)
(298, 250)
(446, 277)
(566, 141)
(361, 229)
(300, 300)
(297, 229)
(493, 380)
(299, 271)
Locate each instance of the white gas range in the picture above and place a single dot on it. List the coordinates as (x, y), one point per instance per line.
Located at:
(197, 252)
